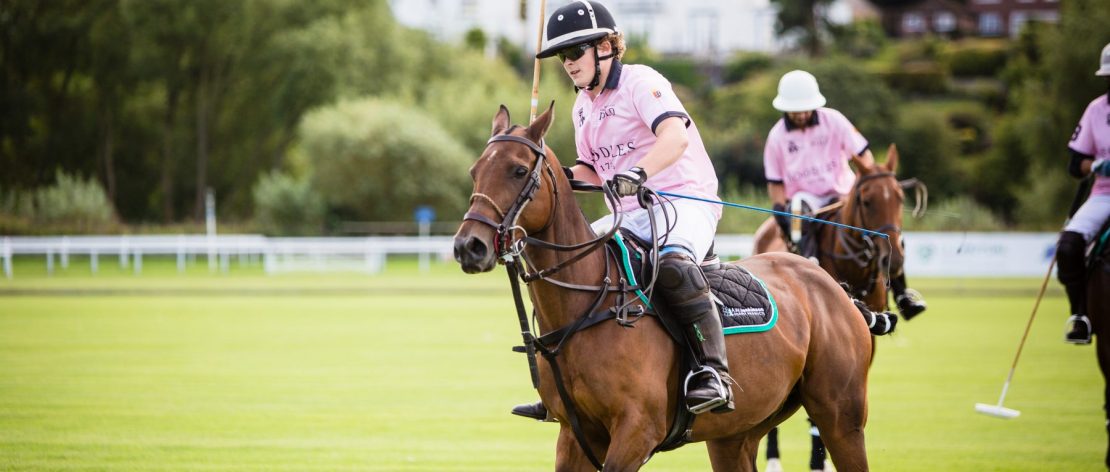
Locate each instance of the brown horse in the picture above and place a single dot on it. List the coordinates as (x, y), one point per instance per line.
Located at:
(1098, 285)
(621, 382)
(859, 260)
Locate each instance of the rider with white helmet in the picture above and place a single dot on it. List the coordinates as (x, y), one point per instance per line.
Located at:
(806, 161)
(1090, 153)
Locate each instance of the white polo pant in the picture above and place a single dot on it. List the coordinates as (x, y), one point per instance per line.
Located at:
(695, 225)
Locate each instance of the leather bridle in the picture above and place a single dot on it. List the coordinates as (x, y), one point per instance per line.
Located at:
(862, 249)
(509, 249)
(503, 240)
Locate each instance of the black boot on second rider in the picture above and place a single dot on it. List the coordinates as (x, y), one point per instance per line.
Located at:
(1072, 272)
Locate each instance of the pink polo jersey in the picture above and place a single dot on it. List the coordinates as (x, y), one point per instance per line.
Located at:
(615, 130)
(1092, 137)
(813, 159)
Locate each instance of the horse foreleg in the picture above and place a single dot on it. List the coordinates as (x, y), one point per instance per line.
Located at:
(569, 456)
(633, 440)
(734, 454)
(1102, 349)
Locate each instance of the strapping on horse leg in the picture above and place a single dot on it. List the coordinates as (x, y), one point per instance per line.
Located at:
(878, 323)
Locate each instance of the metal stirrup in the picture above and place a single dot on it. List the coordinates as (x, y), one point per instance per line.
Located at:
(711, 404)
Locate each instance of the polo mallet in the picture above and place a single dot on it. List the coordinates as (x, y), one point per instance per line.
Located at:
(997, 410)
(529, 348)
(536, 67)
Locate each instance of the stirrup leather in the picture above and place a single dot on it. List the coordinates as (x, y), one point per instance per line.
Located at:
(722, 394)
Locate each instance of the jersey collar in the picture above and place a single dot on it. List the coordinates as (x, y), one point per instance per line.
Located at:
(813, 121)
(614, 78)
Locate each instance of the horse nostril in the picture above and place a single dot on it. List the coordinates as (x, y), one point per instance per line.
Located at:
(476, 248)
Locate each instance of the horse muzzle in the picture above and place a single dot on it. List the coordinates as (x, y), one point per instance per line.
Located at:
(474, 254)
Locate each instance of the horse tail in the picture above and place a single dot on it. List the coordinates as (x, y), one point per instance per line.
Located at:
(881, 323)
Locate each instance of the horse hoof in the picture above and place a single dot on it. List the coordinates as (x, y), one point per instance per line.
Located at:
(774, 465)
(910, 304)
(828, 468)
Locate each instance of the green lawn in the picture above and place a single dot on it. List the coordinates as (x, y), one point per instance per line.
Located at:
(408, 371)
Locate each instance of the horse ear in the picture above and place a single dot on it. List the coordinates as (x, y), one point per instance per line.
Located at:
(500, 121)
(538, 129)
(892, 158)
(860, 168)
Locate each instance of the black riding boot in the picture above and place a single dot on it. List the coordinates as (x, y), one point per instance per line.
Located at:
(535, 411)
(910, 302)
(807, 246)
(1072, 272)
(686, 292)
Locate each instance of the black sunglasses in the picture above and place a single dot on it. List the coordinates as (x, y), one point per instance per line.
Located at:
(574, 52)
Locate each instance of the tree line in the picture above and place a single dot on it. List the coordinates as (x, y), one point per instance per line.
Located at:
(301, 115)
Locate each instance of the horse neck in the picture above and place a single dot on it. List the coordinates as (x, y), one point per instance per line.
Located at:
(558, 306)
(832, 242)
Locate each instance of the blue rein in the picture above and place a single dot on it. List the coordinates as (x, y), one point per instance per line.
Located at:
(775, 212)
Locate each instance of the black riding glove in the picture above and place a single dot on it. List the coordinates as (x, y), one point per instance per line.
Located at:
(629, 182)
(569, 173)
(782, 220)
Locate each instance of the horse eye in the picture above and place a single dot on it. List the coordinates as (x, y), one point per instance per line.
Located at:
(867, 203)
(520, 171)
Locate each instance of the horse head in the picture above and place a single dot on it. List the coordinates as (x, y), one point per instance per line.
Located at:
(876, 204)
(515, 193)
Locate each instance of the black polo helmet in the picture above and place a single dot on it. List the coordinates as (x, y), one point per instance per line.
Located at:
(575, 23)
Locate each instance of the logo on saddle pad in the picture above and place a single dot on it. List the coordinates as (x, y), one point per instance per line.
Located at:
(730, 312)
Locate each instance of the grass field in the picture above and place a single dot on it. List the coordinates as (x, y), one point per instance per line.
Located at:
(408, 371)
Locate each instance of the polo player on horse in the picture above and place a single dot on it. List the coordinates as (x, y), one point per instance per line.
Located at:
(1090, 153)
(806, 167)
(632, 131)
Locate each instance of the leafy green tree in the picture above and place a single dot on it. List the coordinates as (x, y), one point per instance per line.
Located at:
(802, 19)
(1052, 81)
(929, 149)
(862, 39)
(378, 160)
(475, 39)
(285, 205)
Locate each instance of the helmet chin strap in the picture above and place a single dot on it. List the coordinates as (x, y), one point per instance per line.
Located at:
(597, 68)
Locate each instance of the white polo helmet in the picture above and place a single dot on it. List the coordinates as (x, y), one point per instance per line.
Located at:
(1104, 70)
(798, 92)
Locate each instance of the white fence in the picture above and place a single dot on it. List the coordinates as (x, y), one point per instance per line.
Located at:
(927, 254)
(277, 254)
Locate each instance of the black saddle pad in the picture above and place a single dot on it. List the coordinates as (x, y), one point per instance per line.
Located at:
(745, 303)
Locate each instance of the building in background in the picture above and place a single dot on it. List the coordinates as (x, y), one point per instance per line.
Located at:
(958, 18)
(1006, 17)
(711, 29)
